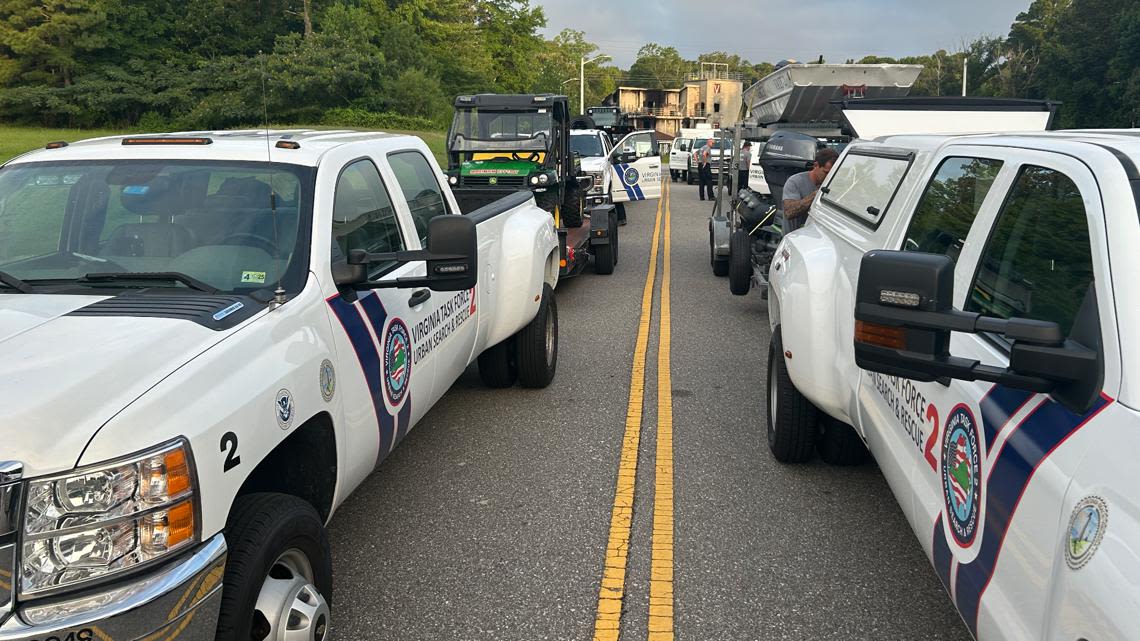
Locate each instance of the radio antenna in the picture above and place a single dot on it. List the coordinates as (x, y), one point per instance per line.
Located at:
(279, 293)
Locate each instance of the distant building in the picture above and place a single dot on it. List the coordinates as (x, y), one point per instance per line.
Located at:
(716, 101)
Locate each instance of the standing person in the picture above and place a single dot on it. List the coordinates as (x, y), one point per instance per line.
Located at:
(800, 189)
(704, 170)
(745, 166)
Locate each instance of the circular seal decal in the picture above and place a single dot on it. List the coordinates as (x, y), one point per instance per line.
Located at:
(328, 380)
(631, 176)
(397, 361)
(1086, 529)
(284, 405)
(961, 475)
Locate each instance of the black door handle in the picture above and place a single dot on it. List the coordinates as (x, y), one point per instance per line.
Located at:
(419, 297)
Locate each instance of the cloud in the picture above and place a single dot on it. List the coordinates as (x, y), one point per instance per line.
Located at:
(772, 30)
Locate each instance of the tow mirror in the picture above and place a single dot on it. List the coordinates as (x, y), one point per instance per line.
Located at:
(904, 316)
(452, 260)
(627, 156)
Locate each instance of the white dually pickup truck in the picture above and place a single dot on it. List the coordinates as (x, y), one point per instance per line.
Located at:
(207, 341)
(962, 305)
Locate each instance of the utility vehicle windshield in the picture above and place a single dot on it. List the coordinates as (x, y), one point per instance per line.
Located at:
(604, 117)
(477, 129)
(587, 146)
(72, 224)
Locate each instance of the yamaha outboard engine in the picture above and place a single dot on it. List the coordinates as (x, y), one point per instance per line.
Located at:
(787, 154)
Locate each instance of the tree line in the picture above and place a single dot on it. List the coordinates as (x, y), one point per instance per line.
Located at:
(161, 64)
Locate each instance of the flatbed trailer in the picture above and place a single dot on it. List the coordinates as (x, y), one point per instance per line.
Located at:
(597, 238)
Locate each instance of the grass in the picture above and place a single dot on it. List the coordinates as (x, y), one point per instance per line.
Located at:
(17, 140)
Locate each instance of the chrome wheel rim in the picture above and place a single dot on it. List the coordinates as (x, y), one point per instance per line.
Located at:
(289, 606)
(549, 331)
(772, 397)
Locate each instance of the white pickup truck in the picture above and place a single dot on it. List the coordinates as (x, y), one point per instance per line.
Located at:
(209, 340)
(961, 304)
(625, 172)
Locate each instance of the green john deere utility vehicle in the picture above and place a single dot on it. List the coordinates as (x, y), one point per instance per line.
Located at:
(500, 143)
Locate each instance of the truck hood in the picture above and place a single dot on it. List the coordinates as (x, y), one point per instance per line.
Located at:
(62, 377)
(594, 163)
(497, 168)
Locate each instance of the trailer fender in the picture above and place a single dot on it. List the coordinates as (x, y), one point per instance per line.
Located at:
(602, 219)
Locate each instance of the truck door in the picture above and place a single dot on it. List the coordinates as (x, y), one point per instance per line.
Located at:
(1027, 254)
(636, 168)
(447, 331)
(384, 389)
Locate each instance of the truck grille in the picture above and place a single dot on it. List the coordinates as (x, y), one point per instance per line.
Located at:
(500, 181)
(9, 515)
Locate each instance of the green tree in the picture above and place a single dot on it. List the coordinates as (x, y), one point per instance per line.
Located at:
(43, 42)
(658, 67)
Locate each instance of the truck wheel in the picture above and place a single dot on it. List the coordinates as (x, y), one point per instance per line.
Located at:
(278, 581)
(839, 444)
(537, 344)
(547, 200)
(673, 175)
(739, 262)
(689, 176)
(792, 419)
(605, 256)
(497, 366)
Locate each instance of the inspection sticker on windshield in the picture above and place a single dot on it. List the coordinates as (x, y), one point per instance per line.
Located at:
(253, 277)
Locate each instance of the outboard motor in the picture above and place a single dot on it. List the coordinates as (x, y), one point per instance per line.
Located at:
(787, 154)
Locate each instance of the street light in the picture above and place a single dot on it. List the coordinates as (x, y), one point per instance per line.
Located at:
(582, 81)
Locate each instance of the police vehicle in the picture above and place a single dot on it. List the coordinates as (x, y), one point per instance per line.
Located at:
(209, 340)
(962, 307)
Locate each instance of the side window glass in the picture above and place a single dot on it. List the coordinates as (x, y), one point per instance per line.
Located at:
(363, 217)
(951, 201)
(421, 188)
(1038, 261)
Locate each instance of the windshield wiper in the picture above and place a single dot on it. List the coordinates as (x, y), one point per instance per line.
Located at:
(16, 283)
(170, 277)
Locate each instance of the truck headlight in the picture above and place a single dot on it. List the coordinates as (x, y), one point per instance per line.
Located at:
(99, 521)
(543, 179)
(453, 180)
(534, 180)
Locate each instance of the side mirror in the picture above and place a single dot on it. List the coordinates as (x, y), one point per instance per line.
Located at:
(904, 316)
(626, 156)
(452, 260)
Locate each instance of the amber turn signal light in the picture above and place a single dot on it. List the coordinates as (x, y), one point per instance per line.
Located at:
(880, 335)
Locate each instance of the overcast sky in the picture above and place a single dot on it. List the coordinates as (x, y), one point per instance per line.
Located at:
(772, 30)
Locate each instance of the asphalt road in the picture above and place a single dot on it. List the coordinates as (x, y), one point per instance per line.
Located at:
(491, 519)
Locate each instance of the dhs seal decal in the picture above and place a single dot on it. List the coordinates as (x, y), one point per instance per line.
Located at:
(962, 475)
(631, 176)
(284, 406)
(397, 361)
(1086, 530)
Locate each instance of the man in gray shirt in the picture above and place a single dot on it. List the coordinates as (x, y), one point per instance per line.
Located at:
(799, 191)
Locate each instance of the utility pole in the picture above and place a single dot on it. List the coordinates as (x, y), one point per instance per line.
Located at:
(965, 73)
(582, 80)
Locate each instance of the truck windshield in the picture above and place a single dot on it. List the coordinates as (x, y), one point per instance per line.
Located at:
(488, 129)
(587, 146)
(213, 221)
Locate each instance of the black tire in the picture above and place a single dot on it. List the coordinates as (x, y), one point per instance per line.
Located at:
(261, 529)
(605, 256)
(536, 345)
(689, 176)
(573, 208)
(547, 200)
(792, 420)
(839, 444)
(497, 366)
(739, 262)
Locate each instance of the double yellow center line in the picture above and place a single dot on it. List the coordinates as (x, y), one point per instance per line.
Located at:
(607, 625)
